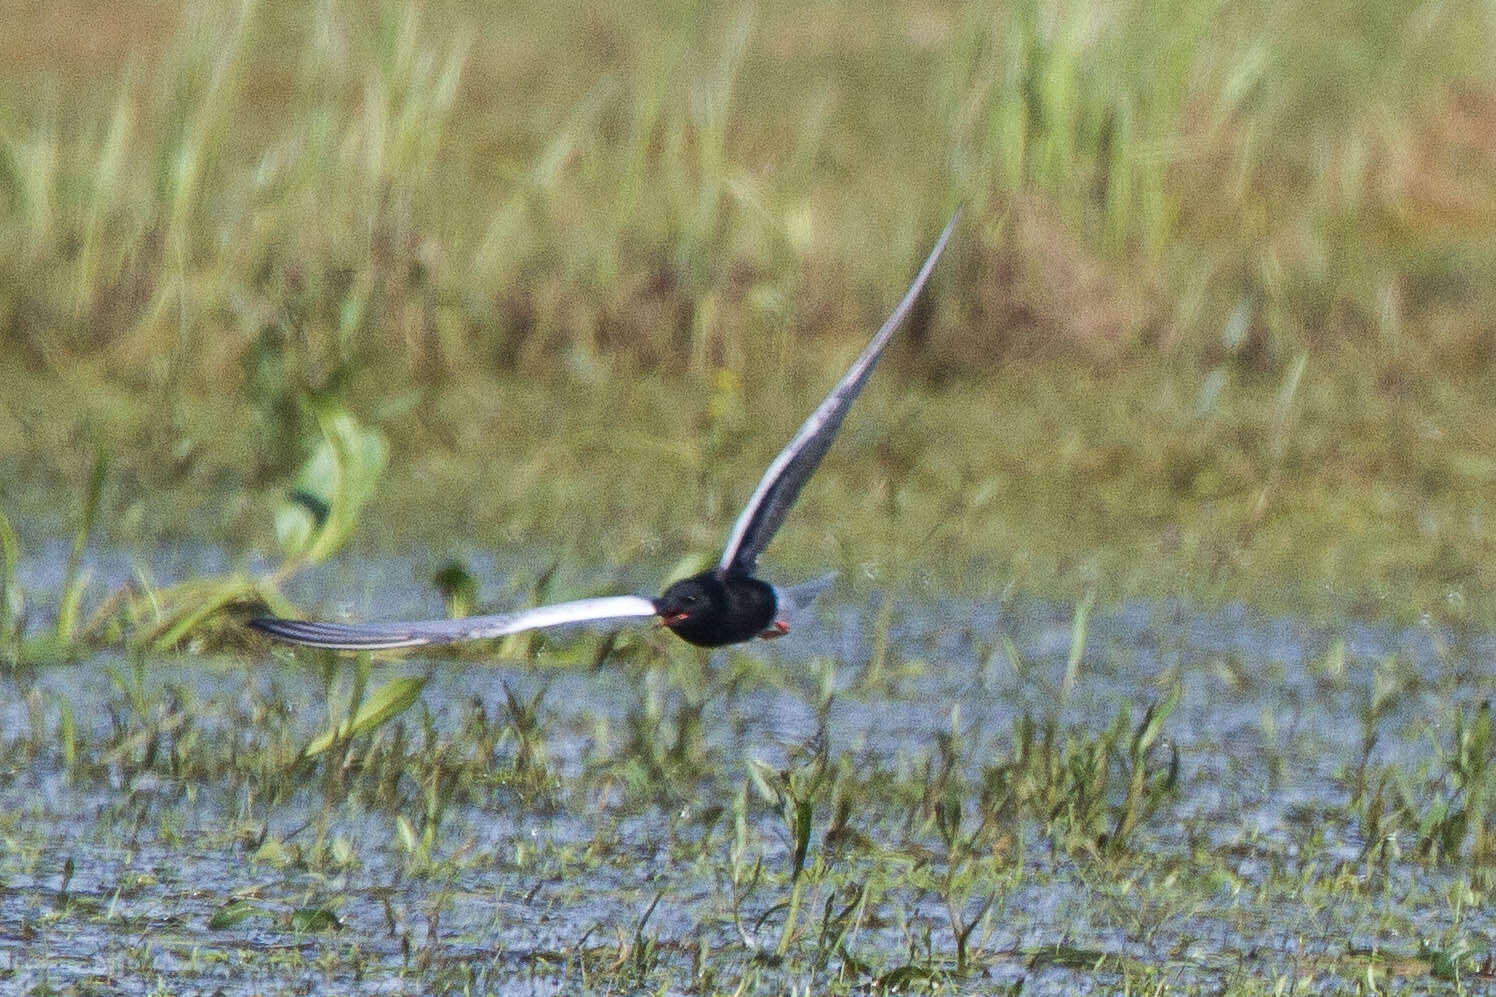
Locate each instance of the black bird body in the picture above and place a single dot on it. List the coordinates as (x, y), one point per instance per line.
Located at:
(723, 605)
(714, 609)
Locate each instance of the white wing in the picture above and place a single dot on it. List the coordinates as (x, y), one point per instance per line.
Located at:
(378, 636)
(781, 483)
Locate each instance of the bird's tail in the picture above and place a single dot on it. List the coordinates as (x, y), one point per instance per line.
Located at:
(795, 599)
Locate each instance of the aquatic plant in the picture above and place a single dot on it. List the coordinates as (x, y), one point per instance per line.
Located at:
(1089, 792)
(1441, 809)
(317, 517)
(363, 710)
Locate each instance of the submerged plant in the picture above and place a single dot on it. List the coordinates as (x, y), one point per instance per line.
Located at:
(796, 790)
(66, 634)
(317, 518)
(946, 793)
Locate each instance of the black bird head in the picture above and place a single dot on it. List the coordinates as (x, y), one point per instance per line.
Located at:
(712, 610)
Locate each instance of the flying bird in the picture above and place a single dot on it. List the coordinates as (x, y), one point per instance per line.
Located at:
(723, 605)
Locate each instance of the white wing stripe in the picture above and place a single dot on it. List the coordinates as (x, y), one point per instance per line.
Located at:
(580, 611)
(381, 636)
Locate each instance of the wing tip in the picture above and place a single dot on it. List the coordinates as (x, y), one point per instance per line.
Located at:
(333, 636)
(270, 626)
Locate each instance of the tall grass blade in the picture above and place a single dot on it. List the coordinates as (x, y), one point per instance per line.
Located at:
(11, 604)
(73, 582)
(108, 174)
(1079, 628)
(1284, 408)
(497, 248)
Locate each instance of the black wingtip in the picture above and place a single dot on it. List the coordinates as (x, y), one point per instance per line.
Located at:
(334, 636)
(291, 631)
(267, 625)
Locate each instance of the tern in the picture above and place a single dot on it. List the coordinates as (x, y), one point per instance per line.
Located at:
(723, 605)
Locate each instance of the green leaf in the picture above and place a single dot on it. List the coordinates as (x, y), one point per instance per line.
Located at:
(332, 488)
(73, 581)
(234, 913)
(1079, 628)
(387, 702)
(10, 594)
(314, 919)
(294, 528)
(406, 833)
(801, 821)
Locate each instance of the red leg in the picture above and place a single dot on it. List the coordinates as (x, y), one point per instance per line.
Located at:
(777, 629)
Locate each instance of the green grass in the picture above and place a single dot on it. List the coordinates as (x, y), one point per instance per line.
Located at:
(1217, 309)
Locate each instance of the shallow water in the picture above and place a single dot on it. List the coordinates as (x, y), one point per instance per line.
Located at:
(1267, 728)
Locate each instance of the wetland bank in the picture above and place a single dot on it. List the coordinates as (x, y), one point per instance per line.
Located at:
(1161, 653)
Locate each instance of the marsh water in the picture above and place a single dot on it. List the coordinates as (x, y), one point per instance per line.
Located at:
(132, 872)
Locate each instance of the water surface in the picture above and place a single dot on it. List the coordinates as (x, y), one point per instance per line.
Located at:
(528, 890)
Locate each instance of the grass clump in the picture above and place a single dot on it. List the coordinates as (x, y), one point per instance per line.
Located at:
(1439, 810)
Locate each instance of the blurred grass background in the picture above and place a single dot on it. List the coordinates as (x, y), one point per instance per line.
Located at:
(1219, 321)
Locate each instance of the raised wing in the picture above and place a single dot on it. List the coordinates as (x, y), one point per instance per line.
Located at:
(378, 636)
(781, 483)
